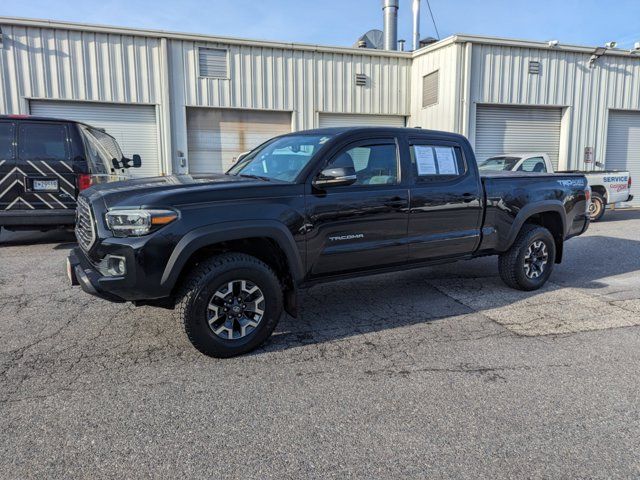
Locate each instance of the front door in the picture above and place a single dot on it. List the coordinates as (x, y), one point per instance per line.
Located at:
(363, 225)
(446, 201)
(44, 166)
(9, 187)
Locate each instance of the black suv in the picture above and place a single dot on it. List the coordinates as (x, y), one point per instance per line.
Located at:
(45, 163)
(228, 252)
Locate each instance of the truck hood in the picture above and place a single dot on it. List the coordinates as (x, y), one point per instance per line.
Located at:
(177, 189)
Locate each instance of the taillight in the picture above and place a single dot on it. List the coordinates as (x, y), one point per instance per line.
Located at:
(587, 194)
(629, 182)
(84, 181)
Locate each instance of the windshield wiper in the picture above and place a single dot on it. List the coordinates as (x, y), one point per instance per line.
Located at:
(259, 177)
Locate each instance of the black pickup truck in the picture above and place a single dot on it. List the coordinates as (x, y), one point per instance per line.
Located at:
(228, 252)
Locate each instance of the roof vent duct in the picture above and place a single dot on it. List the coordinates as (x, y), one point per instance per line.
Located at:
(390, 22)
(415, 44)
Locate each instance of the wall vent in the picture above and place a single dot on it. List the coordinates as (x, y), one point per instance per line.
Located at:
(430, 89)
(361, 80)
(212, 62)
(534, 67)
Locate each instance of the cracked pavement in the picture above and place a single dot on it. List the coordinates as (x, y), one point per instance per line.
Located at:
(440, 372)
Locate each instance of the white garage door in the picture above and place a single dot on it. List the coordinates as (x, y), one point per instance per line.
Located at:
(502, 129)
(133, 126)
(623, 147)
(217, 136)
(346, 120)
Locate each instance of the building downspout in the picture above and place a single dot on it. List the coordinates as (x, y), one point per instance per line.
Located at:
(465, 101)
(165, 110)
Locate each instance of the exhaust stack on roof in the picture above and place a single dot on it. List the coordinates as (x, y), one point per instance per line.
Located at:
(390, 14)
(416, 25)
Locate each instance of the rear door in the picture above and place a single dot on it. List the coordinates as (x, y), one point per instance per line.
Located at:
(446, 201)
(9, 187)
(44, 166)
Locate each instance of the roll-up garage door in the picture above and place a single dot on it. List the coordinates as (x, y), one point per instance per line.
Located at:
(503, 129)
(348, 120)
(623, 147)
(133, 126)
(216, 136)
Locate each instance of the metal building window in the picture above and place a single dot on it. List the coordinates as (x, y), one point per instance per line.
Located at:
(430, 88)
(212, 62)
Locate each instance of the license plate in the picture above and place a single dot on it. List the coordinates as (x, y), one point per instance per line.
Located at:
(45, 185)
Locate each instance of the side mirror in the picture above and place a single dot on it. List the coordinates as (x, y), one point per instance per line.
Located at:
(335, 177)
(116, 164)
(135, 162)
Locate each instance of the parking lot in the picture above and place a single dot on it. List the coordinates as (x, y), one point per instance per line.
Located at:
(440, 372)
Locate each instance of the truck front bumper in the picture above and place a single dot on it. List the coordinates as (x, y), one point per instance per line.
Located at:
(81, 272)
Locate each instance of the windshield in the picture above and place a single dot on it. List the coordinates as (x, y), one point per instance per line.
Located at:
(281, 158)
(102, 148)
(499, 163)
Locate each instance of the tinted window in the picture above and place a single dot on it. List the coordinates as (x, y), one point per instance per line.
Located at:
(43, 141)
(6, 141)
(533, 164)
(374, 164)
(437, 162)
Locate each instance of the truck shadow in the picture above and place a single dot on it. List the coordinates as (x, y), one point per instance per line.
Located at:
(59, 239)
(343, 309)
(620, 214)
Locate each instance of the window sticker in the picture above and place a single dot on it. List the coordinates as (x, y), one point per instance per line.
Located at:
(425, 160)
(447, 164)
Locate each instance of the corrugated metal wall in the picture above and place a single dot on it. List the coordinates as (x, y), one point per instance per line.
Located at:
(443, 114)
(303, 82)
(296, 80)
(500, 75)
(49, 63)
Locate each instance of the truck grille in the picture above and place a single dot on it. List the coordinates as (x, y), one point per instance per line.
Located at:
(85, 230)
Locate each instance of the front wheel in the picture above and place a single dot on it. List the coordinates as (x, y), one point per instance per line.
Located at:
(529, 262)
(229, 304)
(597, 207)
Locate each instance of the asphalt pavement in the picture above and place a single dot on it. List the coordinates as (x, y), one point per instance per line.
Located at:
(434, 373)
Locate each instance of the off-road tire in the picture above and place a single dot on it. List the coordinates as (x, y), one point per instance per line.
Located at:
(202, 282)
(511, 264)
(597, 209)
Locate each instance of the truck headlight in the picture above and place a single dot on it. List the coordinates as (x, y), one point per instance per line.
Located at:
(134, 223)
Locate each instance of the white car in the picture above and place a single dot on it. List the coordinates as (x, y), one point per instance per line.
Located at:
(608, 187)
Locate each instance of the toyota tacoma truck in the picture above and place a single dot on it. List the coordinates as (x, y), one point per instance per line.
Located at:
(229, 252)
(608, 187)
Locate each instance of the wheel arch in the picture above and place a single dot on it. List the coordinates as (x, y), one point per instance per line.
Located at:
(550, 215)
(269, 241)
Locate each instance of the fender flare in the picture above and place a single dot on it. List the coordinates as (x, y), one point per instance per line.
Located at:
(529, 210)
(227, 231)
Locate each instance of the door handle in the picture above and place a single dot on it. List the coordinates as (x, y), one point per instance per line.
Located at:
(395, 202)
(468, 197)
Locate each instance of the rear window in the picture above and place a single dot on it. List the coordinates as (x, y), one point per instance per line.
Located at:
(6, 140)
(42, 141)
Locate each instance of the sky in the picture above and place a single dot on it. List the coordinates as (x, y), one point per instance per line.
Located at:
(341, 22)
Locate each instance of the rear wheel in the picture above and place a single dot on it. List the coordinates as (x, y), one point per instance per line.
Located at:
(229, 305)
(529, 262)
(597, 207)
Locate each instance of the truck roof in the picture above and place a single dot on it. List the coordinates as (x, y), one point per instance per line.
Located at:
(34, 118)
(378, 129)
